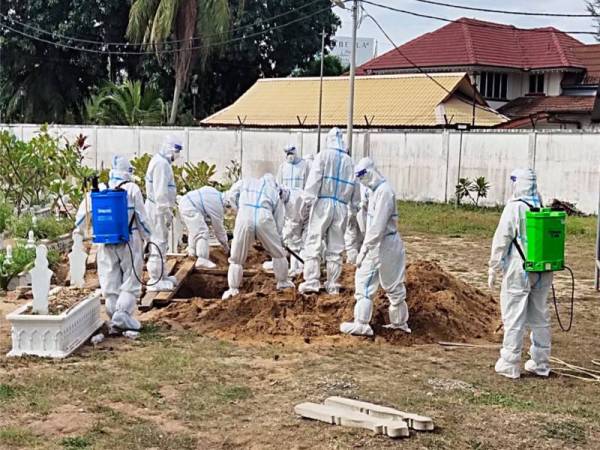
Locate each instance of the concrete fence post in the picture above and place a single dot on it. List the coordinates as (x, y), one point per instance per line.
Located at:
(532, 149)
(446, 153)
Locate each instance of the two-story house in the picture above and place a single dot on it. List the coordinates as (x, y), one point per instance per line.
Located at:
(539, 77)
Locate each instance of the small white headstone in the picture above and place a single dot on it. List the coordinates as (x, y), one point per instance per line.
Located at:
(30, 240)
(8, 259)
(40, 280)
(77, 260)
(34, 221)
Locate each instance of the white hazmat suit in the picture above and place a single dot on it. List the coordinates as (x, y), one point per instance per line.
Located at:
(355, 231)
(120, 286)
(161, 196)
(293, 174)
(330, 188)
(523, 296)
(260, 216)
(198, 209)
(382, 257)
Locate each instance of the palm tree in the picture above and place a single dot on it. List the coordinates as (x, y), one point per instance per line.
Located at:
(125, 104)
(193, 24)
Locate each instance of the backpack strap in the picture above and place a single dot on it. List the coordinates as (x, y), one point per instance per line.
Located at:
(515, 241)
(119, 186)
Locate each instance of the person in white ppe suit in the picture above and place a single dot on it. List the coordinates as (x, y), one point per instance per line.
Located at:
(523, 296)
(260, 215)
(382, 257)
(355, 231)
(292, 174)
(198, 209)
(330, 188)
(120, 285)
(161, 197)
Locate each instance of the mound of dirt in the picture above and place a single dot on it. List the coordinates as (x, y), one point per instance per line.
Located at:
(441, 308)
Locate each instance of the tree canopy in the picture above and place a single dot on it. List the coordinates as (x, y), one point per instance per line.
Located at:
(264, 38)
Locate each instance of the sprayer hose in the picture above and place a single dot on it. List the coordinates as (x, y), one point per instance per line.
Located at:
(162, 265)
(572, 303)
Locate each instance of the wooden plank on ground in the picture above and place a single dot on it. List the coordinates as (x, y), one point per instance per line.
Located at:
(350, 418)
(415, 421)
(185, 268)
(222, 272)
(147, 301)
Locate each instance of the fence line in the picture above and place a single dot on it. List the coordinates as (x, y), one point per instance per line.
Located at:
(422, 165)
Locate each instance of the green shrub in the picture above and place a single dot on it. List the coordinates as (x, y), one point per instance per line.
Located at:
(22, 259)
(6, 212)
(45, 228)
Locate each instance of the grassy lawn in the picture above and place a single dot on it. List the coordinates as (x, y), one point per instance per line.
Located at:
(467, 221)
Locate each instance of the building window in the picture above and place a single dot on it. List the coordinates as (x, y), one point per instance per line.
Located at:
(492, 85)
(536, 83)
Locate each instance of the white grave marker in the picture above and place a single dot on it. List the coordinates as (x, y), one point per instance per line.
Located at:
(30, 240)
(77, 260)
(40, 280)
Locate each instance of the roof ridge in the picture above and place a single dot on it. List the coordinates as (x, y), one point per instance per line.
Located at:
(468, 42)
(560, 49)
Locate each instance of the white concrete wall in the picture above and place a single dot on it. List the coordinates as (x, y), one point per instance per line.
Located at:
(422, 165)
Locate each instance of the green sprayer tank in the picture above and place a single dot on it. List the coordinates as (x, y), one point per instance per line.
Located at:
(545, 240)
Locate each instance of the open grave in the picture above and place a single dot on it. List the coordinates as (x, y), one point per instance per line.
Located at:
(441, 306)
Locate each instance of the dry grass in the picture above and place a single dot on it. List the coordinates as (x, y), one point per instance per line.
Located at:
(177, 390)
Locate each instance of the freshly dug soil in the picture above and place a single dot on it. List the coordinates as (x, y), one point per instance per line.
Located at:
(441, 308)
(64, 299)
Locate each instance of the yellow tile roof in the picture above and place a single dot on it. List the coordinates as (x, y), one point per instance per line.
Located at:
(407, 100)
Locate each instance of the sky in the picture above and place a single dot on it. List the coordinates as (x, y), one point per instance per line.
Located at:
(402, 27)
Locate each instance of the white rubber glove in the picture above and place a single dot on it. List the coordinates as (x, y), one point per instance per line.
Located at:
(491, 278)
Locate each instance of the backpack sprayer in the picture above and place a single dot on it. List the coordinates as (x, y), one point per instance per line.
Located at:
(110, 225)
(546, 230)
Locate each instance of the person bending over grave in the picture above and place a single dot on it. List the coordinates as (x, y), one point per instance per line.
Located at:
(199, 209)
(260, 215)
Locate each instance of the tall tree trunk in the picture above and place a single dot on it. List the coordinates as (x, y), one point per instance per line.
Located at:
(185, 26)
(175, 104)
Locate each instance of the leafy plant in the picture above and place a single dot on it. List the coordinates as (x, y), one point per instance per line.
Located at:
(474, 190)
(140, 167)
(43, 171)
(5, 214)
(194, 176)
(22, 259)
(233, 173)
(125, 104)
(44, 227)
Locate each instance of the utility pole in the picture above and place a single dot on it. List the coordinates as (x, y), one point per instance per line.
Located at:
(350, 124)
(321, 90)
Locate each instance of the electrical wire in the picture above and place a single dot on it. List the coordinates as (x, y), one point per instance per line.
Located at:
(162, 51)
(420, 69)
(479, 25)
(128, 44)
(501, 11)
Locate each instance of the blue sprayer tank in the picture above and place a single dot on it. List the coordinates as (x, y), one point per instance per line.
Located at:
(110, 217)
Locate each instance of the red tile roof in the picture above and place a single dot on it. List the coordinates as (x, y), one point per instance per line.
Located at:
(470, 42)
(527, 106)
(589, 55)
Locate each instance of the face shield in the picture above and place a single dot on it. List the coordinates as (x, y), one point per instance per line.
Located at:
(176, 152)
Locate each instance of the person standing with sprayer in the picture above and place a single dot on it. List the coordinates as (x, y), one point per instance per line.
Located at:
(524, 294)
